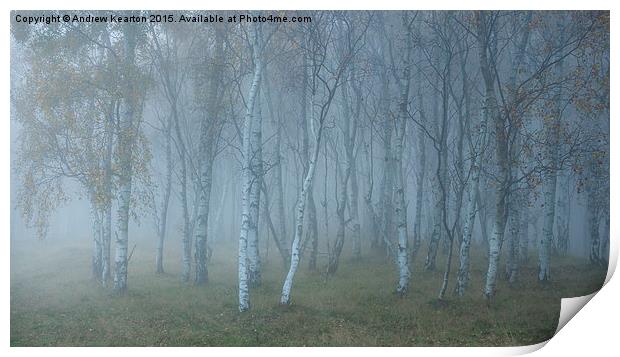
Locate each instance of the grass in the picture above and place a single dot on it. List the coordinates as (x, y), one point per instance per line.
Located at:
(54, 302)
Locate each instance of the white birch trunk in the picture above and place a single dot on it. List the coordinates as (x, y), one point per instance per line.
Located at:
(107, 209)
(501, 155)
(551, 127)
(209, 127)
(417, 225)
(387, 182)
(256, 172)
(125, 143)
(244, 293)
(462, 279)
(334, 256)
(436, 235)
(285, 297)
(399, 189)
(401, 215)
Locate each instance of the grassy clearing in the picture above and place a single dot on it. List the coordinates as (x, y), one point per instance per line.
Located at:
(54, 302)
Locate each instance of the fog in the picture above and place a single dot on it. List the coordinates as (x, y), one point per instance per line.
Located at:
(411, 138)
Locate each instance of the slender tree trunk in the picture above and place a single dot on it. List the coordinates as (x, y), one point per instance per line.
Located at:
(125, 143)
(420, 177)
(354, 211)
(350, 149)
(370, 214)
(400, 184)
(244, 293)
(313, 232)
(285, 297)
(202, 219)
(187, 241)
(544, 248)
(387, 182)
(563, 216)
(209, 127)
(593, 221)
(306, 187)
(438, 230)
(501, 154)
(512, 256)
(106, 245)
(107, 207)
(256, 171)
(482, 218)
(499, 226)
(97, 262)
(334, 256)
(399, 194)
(551, 127)
(163, 220)
(462, 279)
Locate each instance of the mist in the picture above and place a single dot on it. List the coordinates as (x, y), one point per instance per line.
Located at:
(457, 157)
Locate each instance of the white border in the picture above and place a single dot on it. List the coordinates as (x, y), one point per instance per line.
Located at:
(592, 331)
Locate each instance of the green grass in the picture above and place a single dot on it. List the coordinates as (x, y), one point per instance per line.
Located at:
(54, 302)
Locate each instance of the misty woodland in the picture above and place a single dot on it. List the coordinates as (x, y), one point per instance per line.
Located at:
(352, 178)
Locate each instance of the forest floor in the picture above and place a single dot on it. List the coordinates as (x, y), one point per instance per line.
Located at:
(54, 302)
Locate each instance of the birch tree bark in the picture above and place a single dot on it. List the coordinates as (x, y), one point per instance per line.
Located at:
(433, 245)
(343, 175)
(256, 49)
(317, 51)
(167, 65)
(399, 194)
(485, 30)
(404, 83)
(462, 279)
(187, 241)
(97, 263)
(593, 208)
(350, 149)
(285, 297)
(256, 172)
(371, 216)
(421, 173)
(313, 233)
(107, 194)
(551, 128)
(209, 128)
(125, 148)
(387, 179)
(514, 227)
